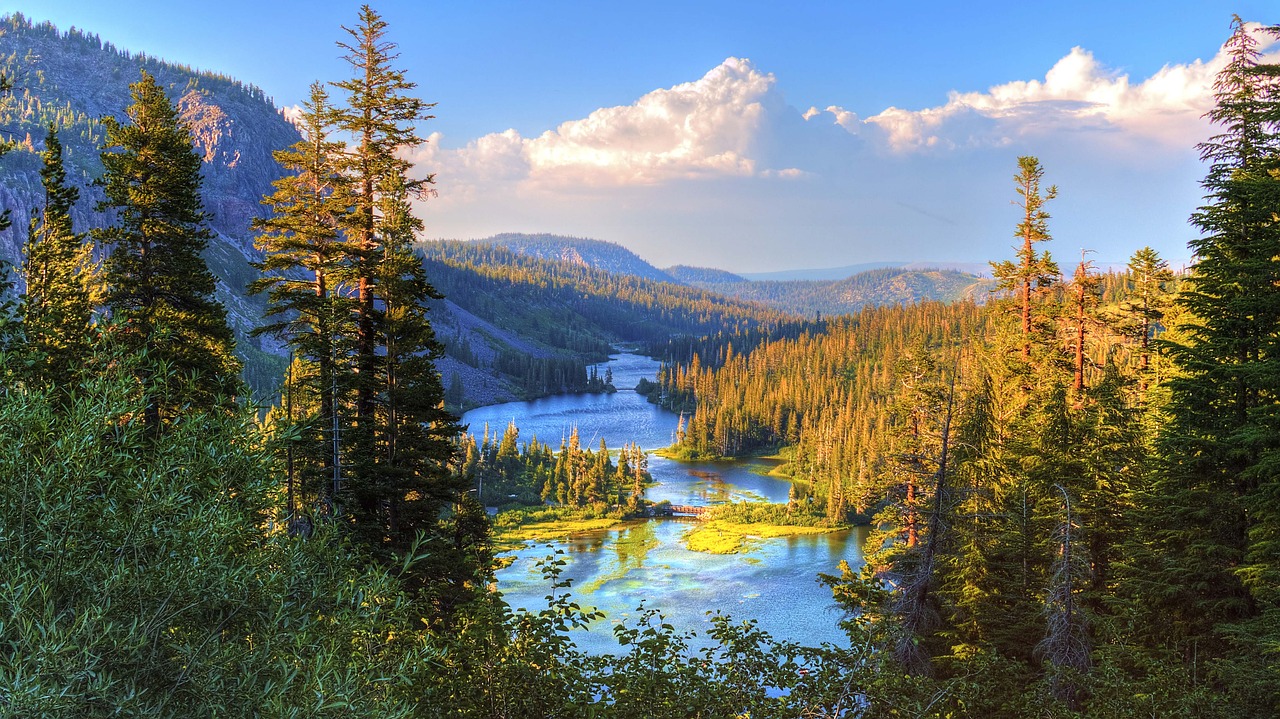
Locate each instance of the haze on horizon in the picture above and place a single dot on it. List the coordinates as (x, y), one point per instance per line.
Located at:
(726, 135)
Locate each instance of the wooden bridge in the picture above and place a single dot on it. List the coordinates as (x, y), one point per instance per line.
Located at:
(663, 509)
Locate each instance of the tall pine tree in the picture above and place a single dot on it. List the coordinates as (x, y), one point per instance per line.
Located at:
(56, 308)
(1222, 441)
(308, 264)
(159, 290)
(394, 479)
(1034, 271)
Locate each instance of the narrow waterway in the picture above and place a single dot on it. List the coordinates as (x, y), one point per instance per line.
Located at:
(614, 570)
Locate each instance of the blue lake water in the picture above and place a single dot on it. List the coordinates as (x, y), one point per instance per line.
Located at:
(614, 570)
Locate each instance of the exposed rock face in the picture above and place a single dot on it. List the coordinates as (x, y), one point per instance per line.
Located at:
(74, 79)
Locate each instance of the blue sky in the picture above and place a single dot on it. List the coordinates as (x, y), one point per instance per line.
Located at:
(755, 136)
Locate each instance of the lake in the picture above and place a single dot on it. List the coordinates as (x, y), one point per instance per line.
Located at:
(614, 570)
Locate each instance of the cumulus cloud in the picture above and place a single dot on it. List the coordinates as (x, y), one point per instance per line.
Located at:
(1078, 94)
(292, 113)
(705, 128)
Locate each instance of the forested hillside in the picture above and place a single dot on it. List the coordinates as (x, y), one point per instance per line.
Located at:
(532, 324)
(597, 254)
(1069, 484)
(869, 288)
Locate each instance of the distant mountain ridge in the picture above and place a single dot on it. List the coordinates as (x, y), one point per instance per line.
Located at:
(847, 290)
(586, 252)
(702, 275)
(883, 286)
(981, 269)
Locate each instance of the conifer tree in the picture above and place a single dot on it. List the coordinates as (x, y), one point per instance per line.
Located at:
(158, 288)
(401, 439)
(379, 116)
(1223, 437)
(401, 484)
(1150, 275)
(56, 308)
(308, 260)
(1084, 303)
(1034, 271)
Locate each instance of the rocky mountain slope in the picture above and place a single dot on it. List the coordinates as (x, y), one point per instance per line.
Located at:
(74, 79)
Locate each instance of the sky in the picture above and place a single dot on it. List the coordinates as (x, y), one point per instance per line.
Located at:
(761, 136)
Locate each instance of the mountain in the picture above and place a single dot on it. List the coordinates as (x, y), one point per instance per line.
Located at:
(823, 273)
(884, 286)
(598, 254)
(74, 78)
(517, 326)
(687, 275)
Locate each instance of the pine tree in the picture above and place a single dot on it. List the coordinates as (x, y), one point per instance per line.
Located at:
(1034, 271)
(308, 261)
(56, 308)
(400, 492)
(380, 117)
(1224, 432)
(401, 440)
(1084, 303)
(1145, 309)
(158, 288)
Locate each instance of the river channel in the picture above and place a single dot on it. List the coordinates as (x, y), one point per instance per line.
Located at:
(614, 570)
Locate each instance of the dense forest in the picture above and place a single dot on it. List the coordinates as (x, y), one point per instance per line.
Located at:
(1073, 487)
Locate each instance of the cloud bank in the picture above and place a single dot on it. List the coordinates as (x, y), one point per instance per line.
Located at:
(723, 171)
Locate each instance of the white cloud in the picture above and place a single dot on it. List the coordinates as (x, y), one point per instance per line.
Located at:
(705, 128)
(293, 113)
(1078, 94)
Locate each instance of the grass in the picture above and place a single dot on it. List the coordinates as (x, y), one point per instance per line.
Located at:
(718, 536)
(514, 527)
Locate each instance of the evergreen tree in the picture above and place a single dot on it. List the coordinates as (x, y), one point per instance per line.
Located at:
(379, 116)
(308, 261)
(1151, 276)
(158, 288)
(400, 485)
(1216, 499)
(1034, 271)
(401, 439)
(1084, 304)
(56, 308)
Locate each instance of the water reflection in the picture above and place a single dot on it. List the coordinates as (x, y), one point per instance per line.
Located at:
(615, 570)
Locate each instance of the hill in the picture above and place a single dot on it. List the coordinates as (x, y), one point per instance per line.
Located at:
(685, 274)
(885, 286)
(74, 79)
(516, 326)
(597, 254)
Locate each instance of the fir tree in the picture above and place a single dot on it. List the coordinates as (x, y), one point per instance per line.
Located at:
(308, 261)
(1213, 513)
(401, 440)
(56, 308)
(1034, 271)
(158, 288)
(1145, 309)
(380, 117)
